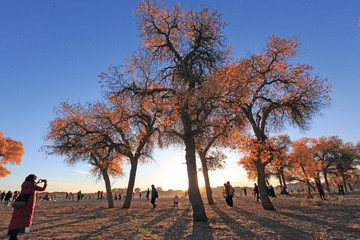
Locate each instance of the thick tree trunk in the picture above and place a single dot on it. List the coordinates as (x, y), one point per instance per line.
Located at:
(327, 186)
(207, 180)
(308, 186)
(131, 184)
(108, 189)
(265, 200)
(194, 191)
(350, 187)
(344, 181)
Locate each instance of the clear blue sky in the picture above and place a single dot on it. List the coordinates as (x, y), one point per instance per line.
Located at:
(51, 51)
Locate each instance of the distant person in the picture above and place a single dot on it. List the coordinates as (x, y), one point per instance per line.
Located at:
(176, 201)
(46, 197)
(320, 189)
(115, 196)
(256, 192)
(148, 194)
(341, 189)
(245, 191)
(229, 194)
(271, 191)
(154, 195)
(8, 195)
(2, 196)
(101, 195)
(22, 217)
(79, 195)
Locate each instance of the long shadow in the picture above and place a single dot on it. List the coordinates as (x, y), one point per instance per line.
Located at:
(285, 231)
(178, 228)
(201, 230)
(236, 227)
(336, 227)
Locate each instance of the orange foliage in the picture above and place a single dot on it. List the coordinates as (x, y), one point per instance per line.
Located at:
(11, 151)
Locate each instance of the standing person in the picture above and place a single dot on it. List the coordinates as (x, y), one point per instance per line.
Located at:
(256, 192)
(7, 197)
(245, 191)
(229, 193)
(176, 201)
(22, 217)
(79, 195)
(320, 189)
(147, 194)
(154, 195)
(341, 189)
(2, 196)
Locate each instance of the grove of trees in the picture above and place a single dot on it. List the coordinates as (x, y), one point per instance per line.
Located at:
(182, 87)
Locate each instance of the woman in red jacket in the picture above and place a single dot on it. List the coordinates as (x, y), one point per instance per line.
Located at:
(22, 217)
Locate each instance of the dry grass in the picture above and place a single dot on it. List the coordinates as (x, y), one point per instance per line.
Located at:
(294, 218)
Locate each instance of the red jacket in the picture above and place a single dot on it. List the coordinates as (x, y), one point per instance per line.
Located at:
(22, 217)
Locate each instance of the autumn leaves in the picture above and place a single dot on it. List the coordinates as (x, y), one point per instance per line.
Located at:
(182, 87)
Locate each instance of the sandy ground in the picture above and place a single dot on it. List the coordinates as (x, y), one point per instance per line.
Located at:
(294, 218)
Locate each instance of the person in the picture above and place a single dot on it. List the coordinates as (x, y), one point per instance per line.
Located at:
(147, 194)
(22, 217)
(320, 189)
(229, 193)
(154, 195)
(2, 196)
(115, 196)
(271, 191)
(79, 195)
(176, 201)
(256, 192)
(7, 197)
(245, 191)
(341, 189)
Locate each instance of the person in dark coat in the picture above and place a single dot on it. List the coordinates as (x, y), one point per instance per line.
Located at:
(7, 198)
(229, 193)
(22, 217)
(154, 196)
(2, 196)
(256, 192)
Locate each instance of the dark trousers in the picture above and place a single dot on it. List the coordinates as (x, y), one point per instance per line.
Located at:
(153, 202)
(229, 200)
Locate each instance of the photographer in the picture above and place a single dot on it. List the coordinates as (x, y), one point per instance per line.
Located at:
(22, 217)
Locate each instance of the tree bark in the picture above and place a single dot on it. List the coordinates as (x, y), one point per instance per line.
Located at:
(196, 201)
(283, 179)
(108, 189)
(207, 180)
(280, 179)
(344, 181)
(327, 186)
(131, 184)
(308, 186)
(265, 200)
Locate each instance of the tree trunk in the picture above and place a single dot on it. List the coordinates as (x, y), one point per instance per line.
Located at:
(308, 186)
(108, 189)
(279, 177)
(194, 192)
(327, 186)
(131, 184)
(283, 179)
(344, 181)
(350, 186)
(265, 200)
(207, 180)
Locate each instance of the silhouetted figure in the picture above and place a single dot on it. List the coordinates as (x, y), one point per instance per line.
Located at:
(256, 192)
(320, 189)
(154, 196)
(229, 194)
(148, 194)
(245, 191)
(79, 195)
(271, 191)
(7, 198)
(341, 189)
(2, 196)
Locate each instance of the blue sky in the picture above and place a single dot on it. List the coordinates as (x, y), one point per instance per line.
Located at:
(52, 51)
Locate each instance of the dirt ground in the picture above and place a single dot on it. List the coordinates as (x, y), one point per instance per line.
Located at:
(295, 218)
